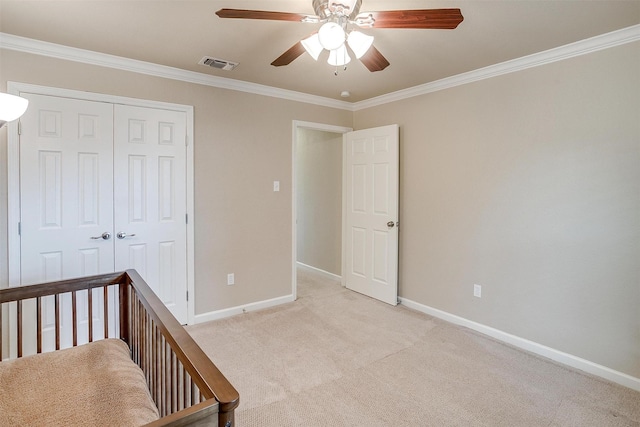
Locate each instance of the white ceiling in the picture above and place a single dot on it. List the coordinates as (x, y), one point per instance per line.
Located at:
(178, 33)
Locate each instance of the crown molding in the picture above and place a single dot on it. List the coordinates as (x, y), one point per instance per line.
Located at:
(37, 47)
(583, 47)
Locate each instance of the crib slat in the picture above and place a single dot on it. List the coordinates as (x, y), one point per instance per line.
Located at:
(150, 353)
(154, 363)
(163, 373)
(187, 390)
(134, 345)
(147, 350)
(194, 390)
(167, 380)
(123, 303)
(74, 318)
(184, 387)
(39, 323)
(174, 384)
(179, 384)
(167, 376)
(106, 312)
(19, 314)
(152, 360)
(57, 311)
(90, 307)
(163, 403)
(141, 338)
(158, 368)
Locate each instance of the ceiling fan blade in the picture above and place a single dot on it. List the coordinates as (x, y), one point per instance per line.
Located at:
(262, 14)
(444, 19)
(289, 56)
(374, 60)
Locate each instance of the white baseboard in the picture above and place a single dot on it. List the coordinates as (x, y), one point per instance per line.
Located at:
(539, 349)
(228, 312)
(324, 273)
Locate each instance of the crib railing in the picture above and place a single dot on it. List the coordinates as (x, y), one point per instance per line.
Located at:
(187, 387)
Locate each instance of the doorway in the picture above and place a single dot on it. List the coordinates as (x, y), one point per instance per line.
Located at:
(318, 161)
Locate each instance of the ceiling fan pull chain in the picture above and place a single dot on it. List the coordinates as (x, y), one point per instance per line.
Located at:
(345, 59)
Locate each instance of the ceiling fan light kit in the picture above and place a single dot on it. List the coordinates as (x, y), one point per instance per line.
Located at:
(331, 35)
(359, 43)
(336, 16)
(312, 45)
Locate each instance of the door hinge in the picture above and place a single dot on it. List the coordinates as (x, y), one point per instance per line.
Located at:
(186, 218)
(19, 127)
(19, 229)
(187, 295)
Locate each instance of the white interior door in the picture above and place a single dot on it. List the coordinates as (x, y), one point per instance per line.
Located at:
(151, 201)
(371, 212)
(66, 165)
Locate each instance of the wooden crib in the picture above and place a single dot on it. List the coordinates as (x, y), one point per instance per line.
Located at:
(185, 385)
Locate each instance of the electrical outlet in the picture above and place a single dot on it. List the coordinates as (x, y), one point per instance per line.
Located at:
(231, 279)
(276, 185)
(477, 291)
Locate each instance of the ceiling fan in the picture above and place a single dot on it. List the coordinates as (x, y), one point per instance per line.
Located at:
(338, 17)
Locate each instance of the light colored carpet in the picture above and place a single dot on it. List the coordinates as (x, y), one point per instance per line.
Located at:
(337, 358)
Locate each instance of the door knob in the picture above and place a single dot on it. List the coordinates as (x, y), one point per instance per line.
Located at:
(105, 236)
(391, 224)
(122, 235)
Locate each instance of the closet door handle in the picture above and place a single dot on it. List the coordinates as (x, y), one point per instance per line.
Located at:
(104, 236)
(122, 235)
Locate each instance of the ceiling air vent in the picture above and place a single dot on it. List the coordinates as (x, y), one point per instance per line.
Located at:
(220, 64)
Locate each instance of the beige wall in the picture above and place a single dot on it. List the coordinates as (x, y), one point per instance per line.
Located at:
(529, 185)
(243, 142)
(319, 199)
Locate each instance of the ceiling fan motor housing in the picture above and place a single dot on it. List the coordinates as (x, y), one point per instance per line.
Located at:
(326, 8)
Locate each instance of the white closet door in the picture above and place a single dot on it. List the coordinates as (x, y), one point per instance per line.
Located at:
(103, 189)
(66, 169)
(150, 200)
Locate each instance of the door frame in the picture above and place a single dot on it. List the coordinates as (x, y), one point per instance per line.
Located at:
(13, 175)
(298, 124)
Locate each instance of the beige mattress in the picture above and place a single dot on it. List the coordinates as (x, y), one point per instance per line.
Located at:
(95, 384)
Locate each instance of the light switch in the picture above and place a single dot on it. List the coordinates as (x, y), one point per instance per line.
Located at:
(276, 185)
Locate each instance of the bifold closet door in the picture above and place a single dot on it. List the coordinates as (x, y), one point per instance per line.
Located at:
(102, 189)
